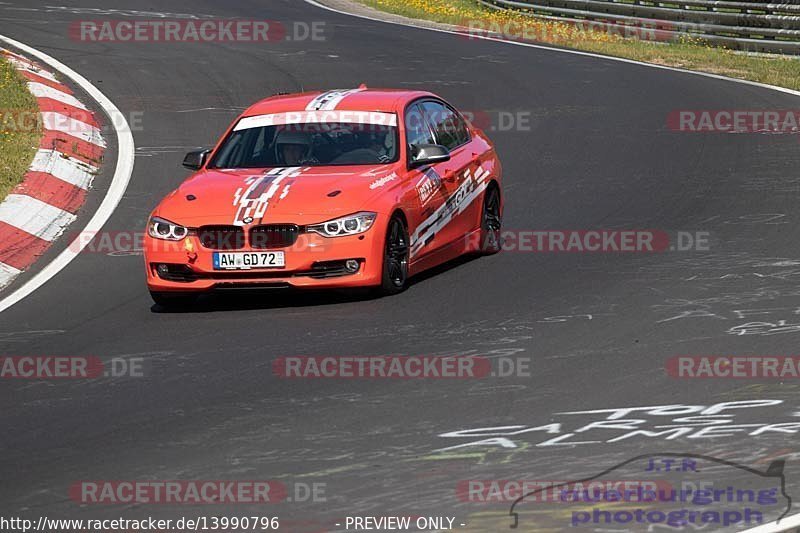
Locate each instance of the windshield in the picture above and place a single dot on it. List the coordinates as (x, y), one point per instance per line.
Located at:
(297, 139)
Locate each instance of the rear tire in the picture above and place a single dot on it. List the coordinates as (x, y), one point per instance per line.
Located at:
(173, 299)
(395, 257)
(491, 222)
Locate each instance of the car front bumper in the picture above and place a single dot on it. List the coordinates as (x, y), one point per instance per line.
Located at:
(313, 261)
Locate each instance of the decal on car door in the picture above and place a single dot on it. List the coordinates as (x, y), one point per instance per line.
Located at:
(471, 187)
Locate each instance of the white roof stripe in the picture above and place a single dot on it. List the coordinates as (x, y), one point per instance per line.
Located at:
(331, 103)
(328, 101)
(67, 169)
(317, 117)
(34, 216)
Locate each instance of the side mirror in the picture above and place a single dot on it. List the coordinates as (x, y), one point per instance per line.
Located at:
(195, 160)
(427, 154)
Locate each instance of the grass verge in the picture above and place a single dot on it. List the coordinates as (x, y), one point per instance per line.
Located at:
(691, 55)
(20, 127)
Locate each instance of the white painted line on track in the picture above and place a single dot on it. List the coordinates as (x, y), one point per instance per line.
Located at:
(119, 182)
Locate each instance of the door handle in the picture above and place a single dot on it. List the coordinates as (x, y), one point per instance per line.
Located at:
(449, 175)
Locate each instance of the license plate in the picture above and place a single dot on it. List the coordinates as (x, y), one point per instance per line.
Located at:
(248, 260)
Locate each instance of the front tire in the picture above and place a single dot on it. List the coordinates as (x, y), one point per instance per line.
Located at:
(395, 257)
(173, 299)
(491, 222)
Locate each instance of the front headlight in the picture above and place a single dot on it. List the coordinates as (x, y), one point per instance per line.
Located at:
(158, 228)
(349, 225)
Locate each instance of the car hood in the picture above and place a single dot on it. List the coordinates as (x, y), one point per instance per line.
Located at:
(301, 195)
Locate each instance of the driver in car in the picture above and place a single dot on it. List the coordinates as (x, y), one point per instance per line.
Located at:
(382, 144)
(293, 148)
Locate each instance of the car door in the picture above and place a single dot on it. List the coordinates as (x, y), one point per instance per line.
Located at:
(457, 215)
(426, 184)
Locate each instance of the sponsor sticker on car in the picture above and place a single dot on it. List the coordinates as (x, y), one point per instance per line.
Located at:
(428, 185)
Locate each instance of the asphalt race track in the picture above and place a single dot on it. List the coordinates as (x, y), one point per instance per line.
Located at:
(597, 328)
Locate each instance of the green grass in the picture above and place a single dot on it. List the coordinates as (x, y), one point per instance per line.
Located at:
(20, 127)
(690, 54)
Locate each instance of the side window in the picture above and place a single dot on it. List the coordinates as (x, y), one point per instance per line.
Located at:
(417, 129)
(449, 128)
(463, 131)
